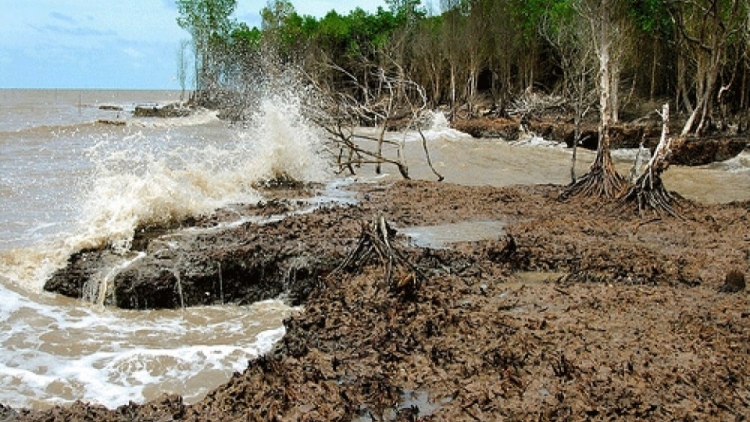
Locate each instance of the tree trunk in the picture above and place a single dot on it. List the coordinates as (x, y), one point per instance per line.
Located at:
(648, 192)
(615, 89)
(602, 180)
(453, 86)
(652, 90)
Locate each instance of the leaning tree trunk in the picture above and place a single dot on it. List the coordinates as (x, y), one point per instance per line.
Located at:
(648, 192)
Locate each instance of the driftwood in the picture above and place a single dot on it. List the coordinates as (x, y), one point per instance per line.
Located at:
(375, 242)
(533, 103)
(648, 191)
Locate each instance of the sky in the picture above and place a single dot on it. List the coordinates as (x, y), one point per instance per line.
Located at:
(110, 44)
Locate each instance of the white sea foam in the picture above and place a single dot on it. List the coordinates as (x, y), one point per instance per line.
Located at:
(738, 164)
(537, 141)
(200, 117)
(143, 181)
(284, 143)
(57, 350)
(435, 126)
(111, 357)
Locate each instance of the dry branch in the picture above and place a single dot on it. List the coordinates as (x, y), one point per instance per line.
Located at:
(383, 98)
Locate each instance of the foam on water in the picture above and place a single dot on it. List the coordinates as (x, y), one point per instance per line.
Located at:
(201, 117)
(286, 144)
(112, 356)
(435, 126)
(148, 172)
(141, 181)
(537, 141)
(738, 164)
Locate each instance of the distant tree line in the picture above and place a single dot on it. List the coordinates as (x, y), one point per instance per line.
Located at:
(693, 53)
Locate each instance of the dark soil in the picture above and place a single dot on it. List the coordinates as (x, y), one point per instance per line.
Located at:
(690, 151)
(576, 311)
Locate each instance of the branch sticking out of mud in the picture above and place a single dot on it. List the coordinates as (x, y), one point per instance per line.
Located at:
(648, 191)
(375, 241)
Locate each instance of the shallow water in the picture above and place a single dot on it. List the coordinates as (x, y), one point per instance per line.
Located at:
(67, 182)
(494, 162)
(441, 236)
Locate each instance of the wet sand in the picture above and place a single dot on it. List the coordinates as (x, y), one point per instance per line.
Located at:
(549, 311)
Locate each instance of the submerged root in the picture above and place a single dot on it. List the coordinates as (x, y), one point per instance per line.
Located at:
(375, 242)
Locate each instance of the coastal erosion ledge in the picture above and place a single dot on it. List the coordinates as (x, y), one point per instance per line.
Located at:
(568, 295)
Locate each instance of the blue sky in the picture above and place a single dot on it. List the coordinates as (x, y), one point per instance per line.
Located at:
(109, 44)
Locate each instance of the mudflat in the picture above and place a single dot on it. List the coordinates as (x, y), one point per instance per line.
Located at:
(433, 301)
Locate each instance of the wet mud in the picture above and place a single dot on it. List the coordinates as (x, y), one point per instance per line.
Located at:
(561, 311)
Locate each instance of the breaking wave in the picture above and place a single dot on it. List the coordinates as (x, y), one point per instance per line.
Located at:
(141, 180)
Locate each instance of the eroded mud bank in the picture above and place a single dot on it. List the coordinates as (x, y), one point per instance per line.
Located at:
(562, 311)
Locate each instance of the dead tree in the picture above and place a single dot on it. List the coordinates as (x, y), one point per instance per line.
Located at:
(576, 60)
(376, 244)
(648, 192)
(386, 97)
(602, 180)
(706, 31)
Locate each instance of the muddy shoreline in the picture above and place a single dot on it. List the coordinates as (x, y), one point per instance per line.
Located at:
(562, 311)
(688, 151)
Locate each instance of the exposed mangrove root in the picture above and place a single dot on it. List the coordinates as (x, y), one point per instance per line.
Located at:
(375, 242)
(601, 181)
(648, 192)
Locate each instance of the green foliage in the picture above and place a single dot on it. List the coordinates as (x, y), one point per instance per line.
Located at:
(651, 16)
(275, 14)
(471, 46)
(210, 25)
(206, 18)
(246, 38)
(406, 12)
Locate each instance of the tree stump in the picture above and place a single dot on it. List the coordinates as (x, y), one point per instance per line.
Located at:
(648, 191)
(375, 242)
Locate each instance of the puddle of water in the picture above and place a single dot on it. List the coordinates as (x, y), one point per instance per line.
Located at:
(440, 236)
(419, 399)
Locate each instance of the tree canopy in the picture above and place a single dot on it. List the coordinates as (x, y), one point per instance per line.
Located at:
(694, 53)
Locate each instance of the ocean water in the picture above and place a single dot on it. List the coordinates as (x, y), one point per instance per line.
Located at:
(68, 180)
